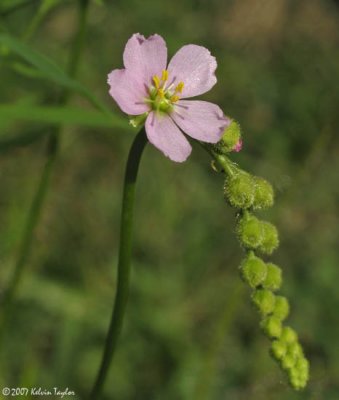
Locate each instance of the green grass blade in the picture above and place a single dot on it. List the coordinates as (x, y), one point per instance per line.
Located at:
(65, 115)
(48, 68)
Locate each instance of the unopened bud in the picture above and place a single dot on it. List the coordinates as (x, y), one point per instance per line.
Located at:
(272, 327)
(281, 308)
(303, 368)
(278, 349)
(288, 361)
(297, 378)
(273, 278)
(270, 239)
(289, 335)
(239, 190)
(263, 194)
(253, 270)
(264, 301)
(249, 230)
(295, 350)
(302, 364)
(230, 140)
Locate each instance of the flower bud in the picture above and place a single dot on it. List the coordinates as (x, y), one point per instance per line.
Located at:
(281, 308)
(270, 239)
(302, 364)
(273, 278)
(253, 270)
(271, 326)
(230, 140)
(296, 379)
(278, 349)
(289, 335)
(249, 230)
(264, 301)
(263, 193)
(303, 368)
(288, 361)
(295, 350)
(239, 190)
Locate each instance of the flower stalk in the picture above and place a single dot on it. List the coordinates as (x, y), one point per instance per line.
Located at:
(125, 249)
(247, 193)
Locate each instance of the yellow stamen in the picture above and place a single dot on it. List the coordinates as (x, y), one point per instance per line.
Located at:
(174, 98)
(164, 75)
(156, 81)
(179, 87)
(161, 93)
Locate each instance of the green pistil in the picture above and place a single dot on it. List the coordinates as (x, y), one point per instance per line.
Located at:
(162, 104)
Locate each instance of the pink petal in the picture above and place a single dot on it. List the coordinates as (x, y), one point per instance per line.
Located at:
(195, 66)
(165, 135)
(127, 92)
(200, 119)
(238, 146)
(145, 57)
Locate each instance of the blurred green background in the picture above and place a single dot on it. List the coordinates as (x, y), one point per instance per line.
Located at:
(190, 331)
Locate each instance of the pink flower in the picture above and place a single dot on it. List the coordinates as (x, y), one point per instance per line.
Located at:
(148, 88)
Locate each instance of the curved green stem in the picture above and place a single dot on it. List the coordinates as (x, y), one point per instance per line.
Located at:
(125, 249)
(224, 162)
(51, 153)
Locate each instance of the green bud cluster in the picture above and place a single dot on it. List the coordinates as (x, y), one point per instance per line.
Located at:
(285, 347)
(244, 191)
(265, 278)
(229, 139)
(255, 234)
(247, 193)
(287, 351)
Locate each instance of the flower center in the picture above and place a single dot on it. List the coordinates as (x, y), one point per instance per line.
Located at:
(162, 96)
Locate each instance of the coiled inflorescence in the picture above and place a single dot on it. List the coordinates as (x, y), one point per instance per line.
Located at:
(247, 193)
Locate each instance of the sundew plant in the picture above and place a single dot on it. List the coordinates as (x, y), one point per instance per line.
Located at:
(175, 280)
(154, 94)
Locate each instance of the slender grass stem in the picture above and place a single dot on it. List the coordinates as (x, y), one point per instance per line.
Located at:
(125, 249)
(42, 189)
(32, 220)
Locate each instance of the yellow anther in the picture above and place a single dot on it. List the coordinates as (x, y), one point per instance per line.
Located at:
(174, 98)
(161, 93)
(156, 81)
(179, 87)
(164, 75)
